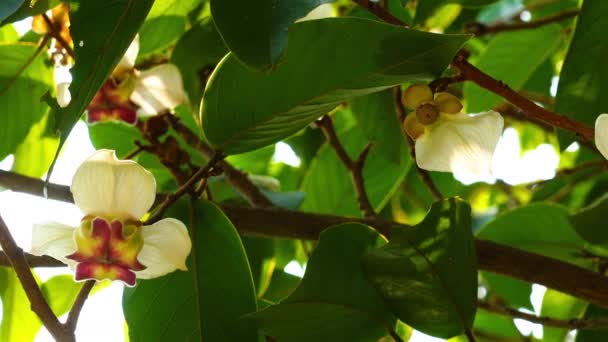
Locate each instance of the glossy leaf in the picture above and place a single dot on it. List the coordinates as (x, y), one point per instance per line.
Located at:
(560, 306)
(426, 8)
(164, 24)
(260, 253)
(327, 172)
(511, 57)
(196, 54)
(205, 303)
(20, 98)
(427, 274)
(593, 312)
(27, 9)
(257, 31)
(377, 118)
(243, 110)
(581, 93)
(587, 222)
(35, 154)
(8, 7)
(102, 31)
(334, 301)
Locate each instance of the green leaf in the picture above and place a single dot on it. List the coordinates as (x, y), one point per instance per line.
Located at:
(589, 222)
(376, 116)
(382, 178)
(334, 301)
(593, 335)
(8, 34)
(35, 154)
(243, 110)
(8, 7)
(526, 228)
(428, 274)
(20, 97)
(426, 8)
(29, 8)
(102, 31)
(205, 303)
(195, 62)
(512, 57)
(281, 286)
(257, 31)
(260, 253)
(515, 293)
(581, 93)
(560, 306)
(164, 24)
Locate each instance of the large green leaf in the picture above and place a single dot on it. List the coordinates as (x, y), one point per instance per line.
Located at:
(164, 24)
(243, 110)
(581, 93)
(35, 154)
(8, 7)
(327, 172)
(428, 274)
(205, 303)
(590, 222)
(20, 98)
(593, 335)
(334, 301)
(102, 31)
(512, 57)
(426, 8)
(376, 116)
(256, 31)
(28, 8)
(196, 54)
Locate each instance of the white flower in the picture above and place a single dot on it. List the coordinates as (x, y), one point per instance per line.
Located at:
(157, 89)
(447, 140)
(111, 242)
(460, 143)
(601, 134)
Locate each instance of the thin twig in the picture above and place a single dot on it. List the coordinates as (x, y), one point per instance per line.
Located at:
(140, 148)
(170, 199)
(236, 178)
(424, 175)
(25, 65)
(32, 291)
(588, 165)
(442, 83)
(74, 313)
(574, 323)
(530, 108)
(355, 167)
(33, 260)
(480, 29)
(469, 334)
(380, 12)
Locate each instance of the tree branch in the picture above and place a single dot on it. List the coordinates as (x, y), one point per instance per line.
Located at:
(492, 257)
(424, 175)
(571, 324)
(355, 167)
(79, 304)
(203, 172)
(26, 278)
(534, 111)
(480, 29)
(236, 178)
(380, 12)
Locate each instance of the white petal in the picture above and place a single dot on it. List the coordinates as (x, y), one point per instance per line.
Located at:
(127, 63)
(53, 239)
(460, 143)
(166, 247)
(320, 12)
(158, 89)
(601, 134)
(63, 94)
(106, 186)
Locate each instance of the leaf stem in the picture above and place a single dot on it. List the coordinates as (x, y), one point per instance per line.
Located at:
(79, 304)
(380, 12)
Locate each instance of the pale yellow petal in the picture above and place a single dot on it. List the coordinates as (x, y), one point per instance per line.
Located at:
(448, 103)
(601, 134)
(53, 239)
(460, 143)
(106, 186)
(416, 94)
(159, 89)
(63, 94)
(166, 247)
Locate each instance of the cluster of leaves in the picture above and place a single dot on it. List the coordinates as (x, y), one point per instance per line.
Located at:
(262, 78)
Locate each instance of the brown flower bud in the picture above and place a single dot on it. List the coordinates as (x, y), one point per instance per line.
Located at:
(427, 113)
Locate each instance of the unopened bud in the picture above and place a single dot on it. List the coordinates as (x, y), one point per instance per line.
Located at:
(412, 126)
(417, 94)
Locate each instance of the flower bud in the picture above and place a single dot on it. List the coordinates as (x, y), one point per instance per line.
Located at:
(427, 113)
(412, 126)
(417, 94)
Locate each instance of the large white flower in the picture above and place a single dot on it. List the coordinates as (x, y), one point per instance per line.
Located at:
(601, 134)
(447, 140)
(111, 242)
